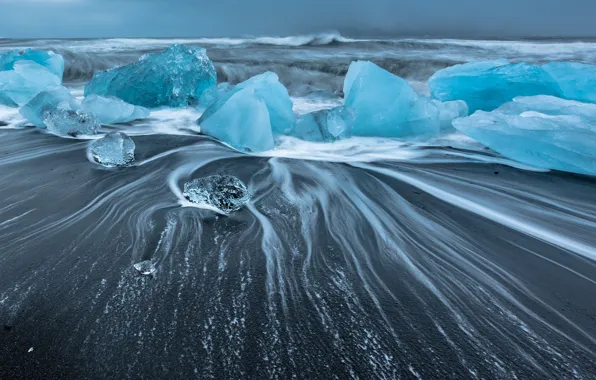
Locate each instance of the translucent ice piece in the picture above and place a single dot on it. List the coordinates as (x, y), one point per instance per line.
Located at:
(110, 110)
(145, 268)
(25, 81)
(48, 100)
(114, 149)
(53, 62)
(69, 122)
(325, 125)
(225, 193)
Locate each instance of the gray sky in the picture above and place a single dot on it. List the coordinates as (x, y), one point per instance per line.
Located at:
(180, 18)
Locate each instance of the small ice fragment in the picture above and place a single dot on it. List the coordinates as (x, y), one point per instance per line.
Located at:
(70, 122)
(325, 125)
(114, 149)
(30, 350)
(226, 193)
(146, 267)
(111, 110)
(174, 77)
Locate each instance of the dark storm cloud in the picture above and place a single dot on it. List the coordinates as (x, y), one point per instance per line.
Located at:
(455, 18)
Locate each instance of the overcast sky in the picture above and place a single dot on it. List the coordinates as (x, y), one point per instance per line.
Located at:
(180, 18)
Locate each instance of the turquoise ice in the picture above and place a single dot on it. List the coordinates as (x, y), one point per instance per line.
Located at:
(448, 111)
(250, 114)
(213, 94)
(64, 122)
(53, 62)
(112, 150)
(174, 77)
(325, 125)
(111, 110)
(23, 81)
(542, 131)
(577, 81)
(48, 100)
(487, 85)
(385, 105)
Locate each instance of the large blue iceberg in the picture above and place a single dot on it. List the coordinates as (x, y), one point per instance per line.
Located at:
(325, 125)
(55, 98)
(113, 150)
(23, 81)
(542, 131)
(385, 105)
(487, 85)
(174, 77)
(110, 110)
(247, 116)
(53, 62)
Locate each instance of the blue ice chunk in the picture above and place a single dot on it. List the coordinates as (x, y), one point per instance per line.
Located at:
(48, 100)
(542, 131)
(223, 193)
(487, 85)
(448, 111)
(385, 105)
(111, 110)
(242, 121)
(213, 94)
(53, 62)
(267, 88)
(325, 125)
(576, 80)
(174, 77)
(112, 150)
(70, 122)
(25, 80)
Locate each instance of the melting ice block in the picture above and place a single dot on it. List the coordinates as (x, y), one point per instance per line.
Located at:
(249, 115)
(145, 268)
(541, 131)
(225, 193)
(112, 150)
(325, 125)
(53, 62)
(110, 110)
(448, 111)
(25, 80)
(577, 81)
(174, 77)
(70, 122)
(48, 100)
(385, 105)
(487, 85)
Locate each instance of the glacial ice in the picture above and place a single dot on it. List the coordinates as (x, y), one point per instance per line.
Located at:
(225, 193)
(113, 150)
(70, 122)
(48, 100)
(51, 61)
(111, 110)
(385, 105)
(174, 77)
(487, 85)
(577, 81)
(250, 114)
(213, 94)
(325, 125)
(448, 111)
(25, 80)
(542, 131)
(145, 268)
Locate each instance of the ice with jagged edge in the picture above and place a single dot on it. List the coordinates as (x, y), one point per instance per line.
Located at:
(48, 100)
(70, 122)
(111, 110)
(51, 61)
(174, 77)
(24, 81)
(213, 94)
(542, 131)
(222, 193)
(325, 125)
(385, 105)
(113, 150)
(248, 116)
(145, 268)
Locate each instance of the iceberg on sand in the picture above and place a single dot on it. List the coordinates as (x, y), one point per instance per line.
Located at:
(112, 150)
(70, 122)
(542, 131)
(225, 193)
(174, 77)
(385, 105)
(111, 110)
(250, 114)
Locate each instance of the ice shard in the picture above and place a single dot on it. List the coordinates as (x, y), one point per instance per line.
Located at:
(223, 193)
(70, 122)
(325, 125)
(487, 85)
(250, 114)
(385, 105)
(577, 81)
(24, 81)
(48, 100)
(174, 77)
(542, 131)
(111, 110)
(113, 150)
